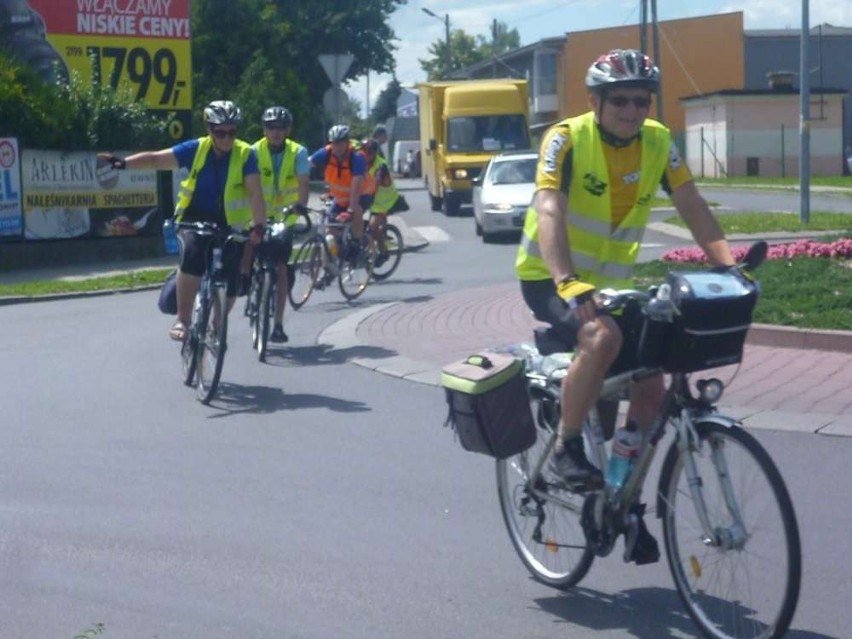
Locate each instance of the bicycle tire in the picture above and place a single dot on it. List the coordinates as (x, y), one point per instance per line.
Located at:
(353, 274)
(395, 246)
(740, 592)
(264, 314)
(212, 346)
(189, 346)
(253, 304)
(307, 266)
(546, 533)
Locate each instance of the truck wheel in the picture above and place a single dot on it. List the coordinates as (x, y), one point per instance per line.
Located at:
(452, 204)
(436, 202)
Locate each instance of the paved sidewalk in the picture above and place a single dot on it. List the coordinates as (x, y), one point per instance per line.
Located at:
(778, 388)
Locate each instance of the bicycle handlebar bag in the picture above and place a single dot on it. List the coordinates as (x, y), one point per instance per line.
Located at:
(712, 315)
(489, 408)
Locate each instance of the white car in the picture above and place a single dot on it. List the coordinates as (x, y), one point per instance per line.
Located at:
(502, 193)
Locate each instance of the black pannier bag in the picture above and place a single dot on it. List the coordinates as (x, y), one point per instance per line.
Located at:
(167, 301)
(712, 313)
(488, 404)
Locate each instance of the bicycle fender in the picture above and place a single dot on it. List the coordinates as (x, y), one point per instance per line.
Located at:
(672, 454)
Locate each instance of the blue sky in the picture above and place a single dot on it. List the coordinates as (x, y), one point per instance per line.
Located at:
(537, 19)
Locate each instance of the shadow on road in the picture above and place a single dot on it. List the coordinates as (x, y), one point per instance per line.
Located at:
(232, 399)
(322, 354)
(645, 613)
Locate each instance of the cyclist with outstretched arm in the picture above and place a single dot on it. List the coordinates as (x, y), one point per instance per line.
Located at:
(222, 186)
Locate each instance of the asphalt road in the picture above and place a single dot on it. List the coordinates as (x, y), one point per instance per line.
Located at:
(314, 498)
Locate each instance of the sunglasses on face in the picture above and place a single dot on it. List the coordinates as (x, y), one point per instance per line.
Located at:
(221, 134)
(274, 127)
(639, 101)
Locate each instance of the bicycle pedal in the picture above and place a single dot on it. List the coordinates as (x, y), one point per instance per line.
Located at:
(631, 534)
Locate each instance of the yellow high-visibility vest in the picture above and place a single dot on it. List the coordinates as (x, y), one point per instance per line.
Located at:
(288, 186)
(602, 255)
(237, 208)
(385, 196)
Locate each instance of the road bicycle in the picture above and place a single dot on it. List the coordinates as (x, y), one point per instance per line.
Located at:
(394, 246)
(324, 256)
(203, 350)
(263, 283)
(729, 527)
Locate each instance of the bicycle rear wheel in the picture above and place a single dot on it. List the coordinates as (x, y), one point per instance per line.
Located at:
(307, 266)
(394, 245)
(543, 520)
(264, 314)
(353, 273)
(745, 582)
(212, 345)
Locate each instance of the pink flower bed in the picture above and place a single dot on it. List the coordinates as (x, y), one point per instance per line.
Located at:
(841, 248)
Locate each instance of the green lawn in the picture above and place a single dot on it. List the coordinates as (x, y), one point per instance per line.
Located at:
(756, 222)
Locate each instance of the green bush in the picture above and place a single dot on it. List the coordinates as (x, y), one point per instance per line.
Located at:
(73, 117)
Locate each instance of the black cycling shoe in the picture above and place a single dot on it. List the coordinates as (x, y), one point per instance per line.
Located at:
(640, 546)
(571, 466)
(278, 335)
(381, 258)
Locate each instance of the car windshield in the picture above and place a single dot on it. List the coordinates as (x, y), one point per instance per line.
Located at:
(487, 133)
(513, 171)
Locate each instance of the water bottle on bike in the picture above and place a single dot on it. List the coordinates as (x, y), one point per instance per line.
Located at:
(625, 449)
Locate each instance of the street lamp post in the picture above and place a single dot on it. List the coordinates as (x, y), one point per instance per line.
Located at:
(446, 21)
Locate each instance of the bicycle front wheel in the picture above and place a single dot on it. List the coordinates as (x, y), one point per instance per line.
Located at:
(264, 314)
(212, 345)
(307, 266)
(394, 246)
(543, 519)
(743, 582)
(189, 346)
(353, 272)
(253, 304)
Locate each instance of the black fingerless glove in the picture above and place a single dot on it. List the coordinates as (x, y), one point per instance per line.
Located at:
(116, 162)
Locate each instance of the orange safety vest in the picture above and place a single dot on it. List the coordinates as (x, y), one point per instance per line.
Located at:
(338, 176)
(370, 185)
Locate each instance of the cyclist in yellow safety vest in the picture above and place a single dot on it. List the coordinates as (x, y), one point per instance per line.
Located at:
(222, 186)
(381, 194)
(285, 180)
(597, 174)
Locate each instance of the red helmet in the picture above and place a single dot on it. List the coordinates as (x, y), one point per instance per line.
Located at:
(623, 67)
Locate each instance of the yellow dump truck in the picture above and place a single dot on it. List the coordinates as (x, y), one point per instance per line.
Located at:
(462, 124)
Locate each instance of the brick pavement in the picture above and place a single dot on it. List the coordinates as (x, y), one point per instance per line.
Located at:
(785, 388)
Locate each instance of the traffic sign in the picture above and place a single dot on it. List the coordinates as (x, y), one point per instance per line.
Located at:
(336, 65)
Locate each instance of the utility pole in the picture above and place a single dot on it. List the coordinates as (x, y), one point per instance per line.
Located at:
(805, 118)
(446, 21)
(656, 41)
(494, 48)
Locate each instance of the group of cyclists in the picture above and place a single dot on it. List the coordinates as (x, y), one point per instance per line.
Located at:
(241, 186)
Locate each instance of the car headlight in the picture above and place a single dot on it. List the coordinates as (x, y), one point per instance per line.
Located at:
(499, 208)
(457, 174)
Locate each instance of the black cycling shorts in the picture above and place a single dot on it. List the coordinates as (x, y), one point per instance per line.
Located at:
(195, 255)
(278, 249)
(547, 306)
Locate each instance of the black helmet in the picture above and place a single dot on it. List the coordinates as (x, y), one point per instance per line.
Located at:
(623, 67)
(222, 112)
(338, 133)
(380, 129)
(277, 115)
(370, 146)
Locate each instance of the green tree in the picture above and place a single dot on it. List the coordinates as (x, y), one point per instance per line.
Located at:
(467, 50)
(385, 106)
(230, 35)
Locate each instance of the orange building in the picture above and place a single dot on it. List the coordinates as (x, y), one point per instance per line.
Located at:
(696, 56)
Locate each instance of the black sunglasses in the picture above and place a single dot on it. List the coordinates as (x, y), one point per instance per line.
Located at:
(639, 101)
(274, 127)
(221, 134)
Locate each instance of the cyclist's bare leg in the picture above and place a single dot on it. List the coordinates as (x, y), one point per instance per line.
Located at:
(598, 343)
(377, 221)
(645, 399)
(187, 287)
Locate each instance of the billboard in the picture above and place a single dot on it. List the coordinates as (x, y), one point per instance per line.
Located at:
(10, 188)
(67, 195)
(142, 44)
